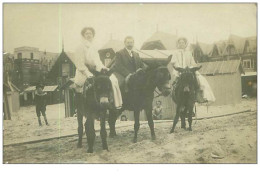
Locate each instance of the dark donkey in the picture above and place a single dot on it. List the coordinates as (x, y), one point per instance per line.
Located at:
(93, 103)
(184, 96)
(140, 95)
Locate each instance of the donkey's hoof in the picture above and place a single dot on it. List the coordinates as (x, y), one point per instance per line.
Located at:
(112, 135)
(90, 151)
(79, 145)
(190, 129)
(172, 130)
(135, 140)
(153, 137)
(106, 149)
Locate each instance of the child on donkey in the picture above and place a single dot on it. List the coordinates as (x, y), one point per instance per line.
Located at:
(40, 103)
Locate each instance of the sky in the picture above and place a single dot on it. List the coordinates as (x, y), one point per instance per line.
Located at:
(46, 25)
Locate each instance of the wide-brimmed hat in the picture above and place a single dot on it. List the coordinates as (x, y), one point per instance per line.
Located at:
(182, 38)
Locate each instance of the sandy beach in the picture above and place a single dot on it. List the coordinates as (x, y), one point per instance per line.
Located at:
(226, 139)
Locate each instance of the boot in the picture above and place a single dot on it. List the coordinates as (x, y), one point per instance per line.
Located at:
(46, 122)
(39, 120)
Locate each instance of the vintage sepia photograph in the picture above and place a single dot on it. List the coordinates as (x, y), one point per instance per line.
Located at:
(129, 83)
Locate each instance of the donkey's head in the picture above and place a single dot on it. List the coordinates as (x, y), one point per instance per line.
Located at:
(102, 87)
(162, 79)
(187, 78)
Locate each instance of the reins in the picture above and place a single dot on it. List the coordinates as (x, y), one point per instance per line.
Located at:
(158, 94)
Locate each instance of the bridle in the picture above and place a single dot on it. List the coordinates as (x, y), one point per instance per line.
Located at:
(159, 86)
(95, 92)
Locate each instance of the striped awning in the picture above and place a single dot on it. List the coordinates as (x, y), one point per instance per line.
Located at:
(30, 89)
(46, 88)
(50, 88)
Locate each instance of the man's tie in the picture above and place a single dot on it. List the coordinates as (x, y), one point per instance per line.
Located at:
(131, 53)
(132, 59)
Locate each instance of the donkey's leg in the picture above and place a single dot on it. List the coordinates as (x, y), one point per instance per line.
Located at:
(177, 115)
(80, 128)
(190, 117)
(112, 122)
(183, 116)
(137, 124)
(90, 132)
(78, 104)
(148, 112)
(103, 132)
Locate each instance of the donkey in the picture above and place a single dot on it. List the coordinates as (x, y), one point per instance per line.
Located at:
(184, 95)
(96, 99)
(140, 95)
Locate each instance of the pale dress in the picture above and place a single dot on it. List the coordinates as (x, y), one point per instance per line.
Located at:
(86, 56)
(183, 58)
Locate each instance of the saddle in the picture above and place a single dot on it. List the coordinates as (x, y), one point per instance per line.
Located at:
(134, 80)
(130, 90)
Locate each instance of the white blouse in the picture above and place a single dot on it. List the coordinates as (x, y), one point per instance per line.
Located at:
(86, 56)
(183, 58)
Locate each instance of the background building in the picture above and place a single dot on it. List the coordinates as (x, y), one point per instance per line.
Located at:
(31, 66)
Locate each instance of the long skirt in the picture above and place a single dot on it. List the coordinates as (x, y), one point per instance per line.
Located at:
(81, 78)
(205, 87)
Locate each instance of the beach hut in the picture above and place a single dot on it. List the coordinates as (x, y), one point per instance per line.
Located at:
(11, 99)
(61, 72)
(161, 41)
(53, 95)
(249, 59)
(27, 96)
(224, 77)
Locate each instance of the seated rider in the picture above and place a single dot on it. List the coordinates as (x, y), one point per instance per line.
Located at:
(87, 58)
(183, 58)
(126, 63)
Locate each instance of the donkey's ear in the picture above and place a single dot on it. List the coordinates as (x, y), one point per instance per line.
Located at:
(178, 69)
(196, 68)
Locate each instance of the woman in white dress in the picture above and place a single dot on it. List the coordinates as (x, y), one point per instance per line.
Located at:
(86, 56)
(183, 58)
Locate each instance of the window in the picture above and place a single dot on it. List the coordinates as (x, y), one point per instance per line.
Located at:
(19, 55)
(65, 69)
(231, 50)
(31, 55)
(248, 63)
(59, 81)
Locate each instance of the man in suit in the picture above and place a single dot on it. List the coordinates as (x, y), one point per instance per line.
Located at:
(126, 61)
